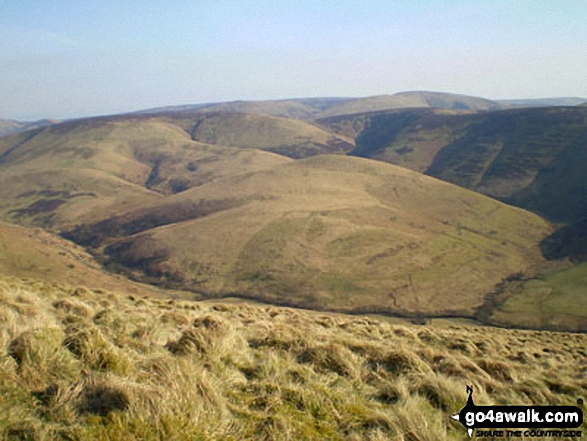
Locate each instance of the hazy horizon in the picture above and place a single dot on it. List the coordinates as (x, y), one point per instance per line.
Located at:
(65, 59)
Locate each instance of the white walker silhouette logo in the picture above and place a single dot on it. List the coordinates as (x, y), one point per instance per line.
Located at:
(475, 417)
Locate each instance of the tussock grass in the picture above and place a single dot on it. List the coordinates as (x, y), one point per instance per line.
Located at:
(77, 363)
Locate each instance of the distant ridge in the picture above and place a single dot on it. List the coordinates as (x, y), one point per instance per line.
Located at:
(298, 108)
(313, 108)
(324, 107)
(10, 126)
(545, 102)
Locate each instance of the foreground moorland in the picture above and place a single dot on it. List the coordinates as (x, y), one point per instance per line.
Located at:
(89, 364)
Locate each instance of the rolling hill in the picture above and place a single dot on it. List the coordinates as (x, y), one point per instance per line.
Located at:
(86, 169)
(34, 255)
(329, 232)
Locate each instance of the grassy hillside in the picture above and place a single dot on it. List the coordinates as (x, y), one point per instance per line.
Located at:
(77, 171)
(34, 254)
(328, 232)
(553, 299)
(292, 138)
(84, 364)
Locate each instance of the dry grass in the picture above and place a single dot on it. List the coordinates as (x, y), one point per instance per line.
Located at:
(330, 232)
(83, 364)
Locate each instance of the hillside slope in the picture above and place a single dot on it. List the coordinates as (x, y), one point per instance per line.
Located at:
(532, 158)
(34, 254)
(328, 232)
(97, 168)
(288, 137)
(409, 138)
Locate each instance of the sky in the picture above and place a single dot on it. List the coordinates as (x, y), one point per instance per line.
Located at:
(72, 58)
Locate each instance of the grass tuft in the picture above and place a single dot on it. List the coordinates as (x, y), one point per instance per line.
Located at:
(74, 367)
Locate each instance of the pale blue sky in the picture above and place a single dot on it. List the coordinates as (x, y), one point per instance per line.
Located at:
(72, 58)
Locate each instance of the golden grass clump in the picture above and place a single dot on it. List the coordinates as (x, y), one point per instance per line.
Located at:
(80, 364)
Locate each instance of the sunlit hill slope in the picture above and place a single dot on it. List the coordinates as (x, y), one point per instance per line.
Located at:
(330, 232)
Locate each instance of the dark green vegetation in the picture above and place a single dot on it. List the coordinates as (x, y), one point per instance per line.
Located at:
(555, 299)
(567, 242)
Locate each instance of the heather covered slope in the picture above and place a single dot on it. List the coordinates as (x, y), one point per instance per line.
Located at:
(531, 158)
(84, 364)
(409, 138)
(327, 232)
